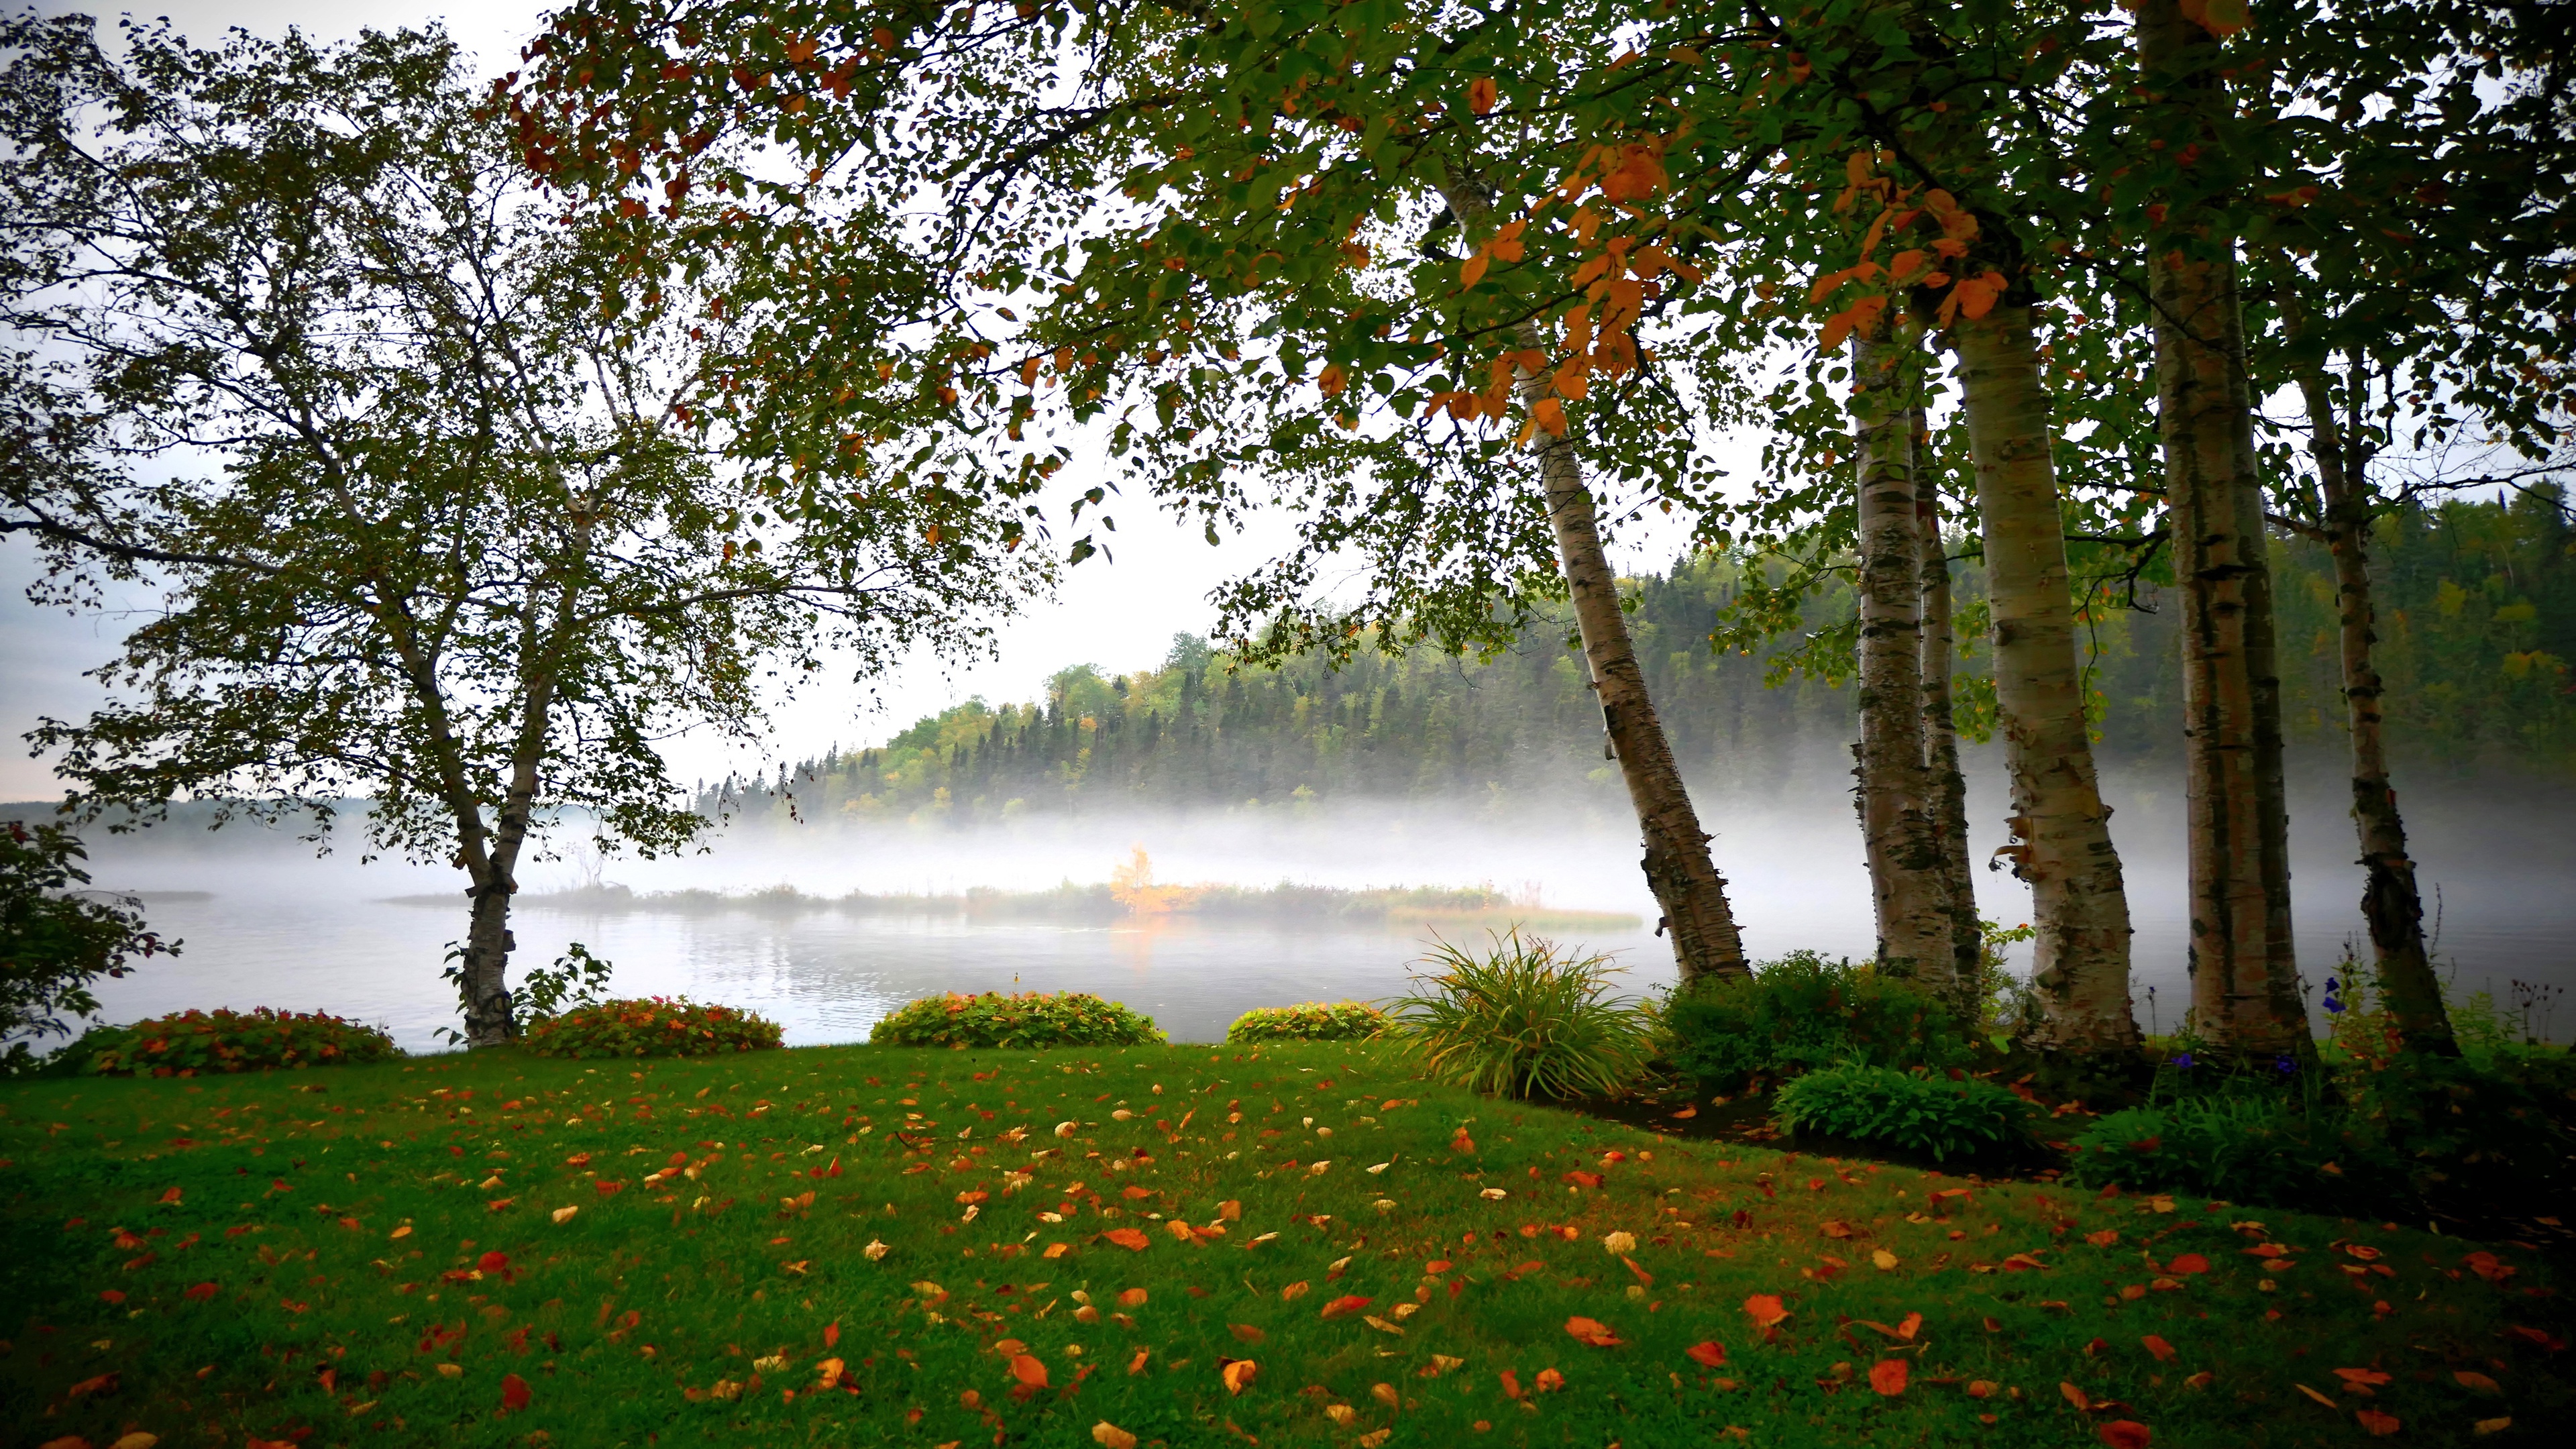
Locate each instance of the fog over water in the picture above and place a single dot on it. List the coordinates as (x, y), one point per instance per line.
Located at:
(276, 927)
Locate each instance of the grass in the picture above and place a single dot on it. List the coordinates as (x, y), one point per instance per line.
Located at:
(293, 1257)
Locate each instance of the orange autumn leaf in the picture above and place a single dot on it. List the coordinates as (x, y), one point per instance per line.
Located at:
(2188, 1263)
(1237, 1373)
(1480, 95)
(1332, 380)
(2163, 1351)
(514, 1393)
(1293, 1291)
(1127, 1238)
(2379, 1424)
(1136, 1365)
(1110, 1436)
(2311, 1393)
(1130, 1297)
(831, 1333)
(2472, 1379)
(2124, 1434)
(1246, 1332)
(1766, 1309)
(2075, 1396)
(1582, 1179)
(1472, 270)
(1709, 1354)
(1029, 1369)
(1593, 1331)
(1887, 1377)
(1347, 1304)
(1459, 1141)
(1549, 1381)
(1549, 414)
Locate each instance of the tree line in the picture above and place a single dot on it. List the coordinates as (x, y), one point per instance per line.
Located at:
(555, 414)
(2480, 617)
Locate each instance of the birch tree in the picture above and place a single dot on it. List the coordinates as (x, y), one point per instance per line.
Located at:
(435, 536)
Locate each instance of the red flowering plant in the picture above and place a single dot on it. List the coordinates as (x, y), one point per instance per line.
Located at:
(652, 1026)
(194, 1043)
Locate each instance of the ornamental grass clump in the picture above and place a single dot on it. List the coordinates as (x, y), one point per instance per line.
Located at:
(1944, 1117)
(1029, 1019)
(653, 1026)
(1308, 1021)
(197, 1043)
(1527, 1019)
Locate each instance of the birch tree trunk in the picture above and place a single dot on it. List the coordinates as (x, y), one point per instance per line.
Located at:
(1679, 869)
(2061, 829)
(1897, 823)
(1946, 788)
(2244, 970)
(2390, 903)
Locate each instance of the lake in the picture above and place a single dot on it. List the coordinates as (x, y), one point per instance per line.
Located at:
(267, 925)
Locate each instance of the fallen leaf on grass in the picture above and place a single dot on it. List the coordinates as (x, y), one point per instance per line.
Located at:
(1711, 1354)
(2472, 1379)
(1347, 1304)
(2124, 1434)
(2380, 1425)
(1549, 1381)
(1887, 1376)
(1766, 1309)
(2075, 1396)
(2186, 1264)
(1293, 1292)
(1982, 1388)
(564, 1214)
(1237, 1372)
(514, 1393)
(1110, 1436)
(1246, 1332)
(2484, 1427)
(2359, 1381)
(2163, 1351)
(2311, 1393)
(1127, 1238)
(1882, 1259)
(1029, 1370)
(1593, 1331)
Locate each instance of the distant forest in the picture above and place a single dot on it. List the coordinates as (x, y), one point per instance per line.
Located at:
(2477, 626)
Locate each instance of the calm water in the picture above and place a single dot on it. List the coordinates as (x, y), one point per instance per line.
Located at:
(275, 927)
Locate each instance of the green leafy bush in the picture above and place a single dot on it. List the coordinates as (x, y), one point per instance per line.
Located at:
(2256, 1149)
(1527, 1019)
(2386, 1138)
(653, 1026)
(1939, 1115)
(1029, 1019)
(57, 937)
(1803, 1012)
(1308, 1021)
(196, 1043)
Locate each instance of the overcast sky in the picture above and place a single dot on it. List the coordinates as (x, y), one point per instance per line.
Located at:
(1118, 614)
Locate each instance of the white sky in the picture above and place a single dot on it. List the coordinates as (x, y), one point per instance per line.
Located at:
(1119, 615)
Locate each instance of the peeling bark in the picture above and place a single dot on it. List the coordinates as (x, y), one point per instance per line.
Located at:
(1946, 788)
(2390, 902)
(1898, 831)
(2244, 968)
(2061, 829)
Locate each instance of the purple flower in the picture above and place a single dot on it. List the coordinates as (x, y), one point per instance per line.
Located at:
(2182, 1060)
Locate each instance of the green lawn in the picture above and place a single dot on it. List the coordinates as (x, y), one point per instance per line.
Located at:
(862, 1245)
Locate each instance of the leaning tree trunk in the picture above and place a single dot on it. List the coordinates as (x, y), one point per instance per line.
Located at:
(1898, 831)
(2390, 903)
(1946, 786)
(2062, 838)
(1679, 869)
(2244, 969)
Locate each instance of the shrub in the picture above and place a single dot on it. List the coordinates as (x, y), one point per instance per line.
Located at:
(1527, 1019)
(2257, 1149)
(1914, 1110)
(1802, 1012)
(56, 937)
(193, 1043)
(653, 1026)
(1309, 1021)
(1030, 1019)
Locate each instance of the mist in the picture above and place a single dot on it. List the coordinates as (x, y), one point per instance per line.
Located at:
(267, 923)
